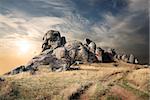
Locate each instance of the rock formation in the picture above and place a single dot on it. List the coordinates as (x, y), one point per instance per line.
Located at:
(60, 54)
(99, 54)
(131, 58)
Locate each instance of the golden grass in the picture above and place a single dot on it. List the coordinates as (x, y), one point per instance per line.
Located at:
(61, 85)
(140, 78)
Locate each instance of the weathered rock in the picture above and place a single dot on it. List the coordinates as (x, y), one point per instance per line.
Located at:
(2, 79)
(107, 57)
(60, 55)
(118, 57)
(63, 40)
(113, 52)
(92, 47)
(123, 57)
(99, 53)
(51, 35)
(91, 57)
(77, 51)
(16, 70)
(52, 40)
(126, 60)
(131, 59)
(48, 59)
(87, 41)
(136, 61)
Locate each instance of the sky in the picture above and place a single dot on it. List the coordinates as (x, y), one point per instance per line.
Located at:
(119, 24)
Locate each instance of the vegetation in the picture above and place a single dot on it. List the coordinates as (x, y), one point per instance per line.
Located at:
(92, 82)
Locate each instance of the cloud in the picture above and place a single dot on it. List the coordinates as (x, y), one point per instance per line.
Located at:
(112, 23)
(138, 5)
(128, 32)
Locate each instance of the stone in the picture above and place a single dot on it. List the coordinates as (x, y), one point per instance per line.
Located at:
(92, 57)
(33, 70)
(92, 47)
(63, 40)
(45, 45)
(2, 79)
(107, 57)
(60, 53)
(48, 59)
(118, 57)
(126, 60)
(87, 41)
(52, 40)
(77, 51)
(51, 35)
(123, 57)
(136, 61)
(115, 57)
(113, 52)
(17, 70)
(99, 53)
(78, 62)
(131, 59)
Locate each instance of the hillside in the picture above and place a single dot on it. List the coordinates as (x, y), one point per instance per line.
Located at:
(97, 81)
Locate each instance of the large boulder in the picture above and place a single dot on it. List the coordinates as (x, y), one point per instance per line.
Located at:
(77, 51)
(118, 57)
(62, 54)
(136, 61)
(131, 58)
(52, 39)
(2, 79)
(123, 57)
(48, 59)
(90, 45)
(99, 53)
(109, 55)
(90, 48)
(16, 70)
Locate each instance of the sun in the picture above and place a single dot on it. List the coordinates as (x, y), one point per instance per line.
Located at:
(24, 46)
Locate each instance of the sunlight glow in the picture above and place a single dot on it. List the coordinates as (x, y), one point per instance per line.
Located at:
(24, 46)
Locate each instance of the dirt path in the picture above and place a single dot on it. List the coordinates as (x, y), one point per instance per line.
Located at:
(122, 93)
(88, 93)
(80, 91)
(111, 88)
(106, 82)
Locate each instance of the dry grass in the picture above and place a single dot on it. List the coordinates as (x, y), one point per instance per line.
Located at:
(140, 78)
(48, 85)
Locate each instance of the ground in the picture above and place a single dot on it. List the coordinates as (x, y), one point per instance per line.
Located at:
(98, 81)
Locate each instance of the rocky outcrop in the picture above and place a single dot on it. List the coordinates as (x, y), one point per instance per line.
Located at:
(127, 58)
(60, 54)
(52, 39)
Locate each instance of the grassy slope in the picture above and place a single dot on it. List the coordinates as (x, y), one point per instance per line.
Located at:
(93, 82)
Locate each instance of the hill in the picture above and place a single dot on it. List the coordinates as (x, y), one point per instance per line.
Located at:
(96, 81)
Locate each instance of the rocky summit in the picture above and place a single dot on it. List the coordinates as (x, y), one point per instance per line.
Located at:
(75, 70)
